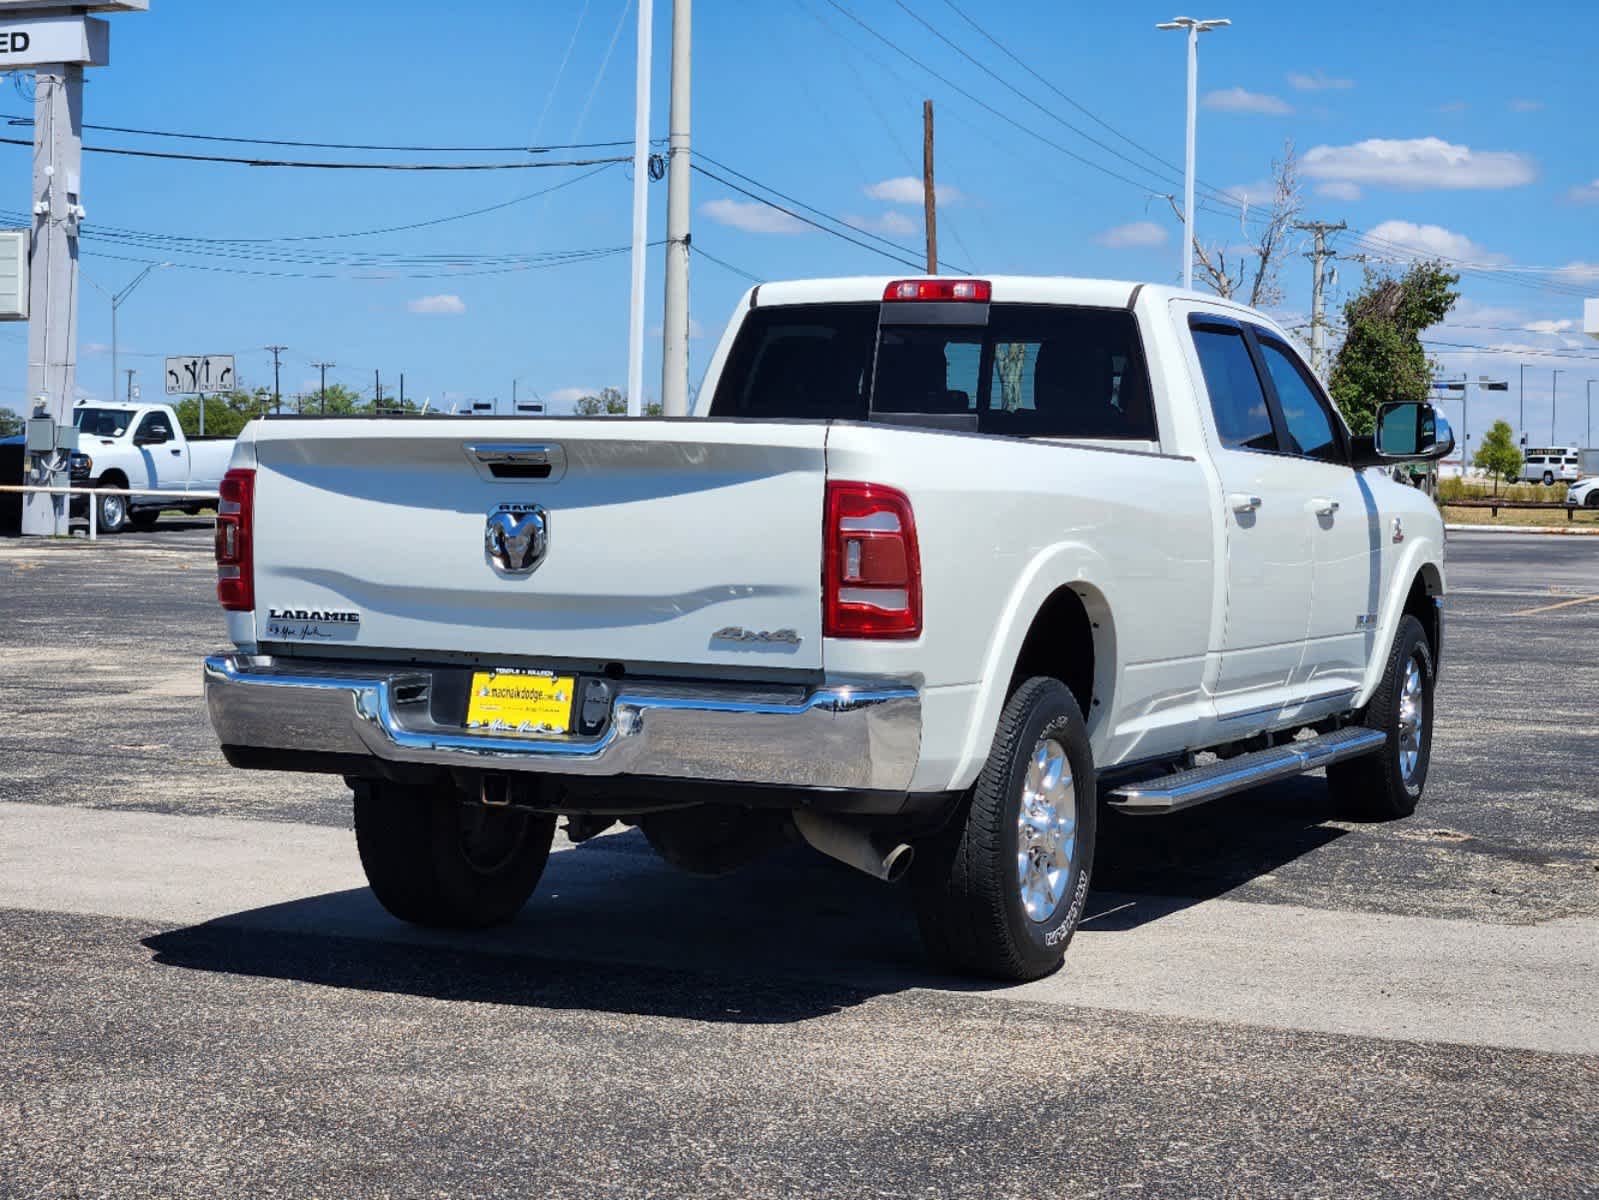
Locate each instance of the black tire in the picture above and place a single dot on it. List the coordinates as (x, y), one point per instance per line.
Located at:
(965, 880)
(114, 516)
(144, 519)
(1593, 499)
(1549, 479)
(434, 858)
(1376, 787)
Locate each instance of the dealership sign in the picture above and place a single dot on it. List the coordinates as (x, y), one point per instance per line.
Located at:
(35, 41)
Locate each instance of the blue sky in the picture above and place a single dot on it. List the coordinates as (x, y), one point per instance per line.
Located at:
(1473, 138)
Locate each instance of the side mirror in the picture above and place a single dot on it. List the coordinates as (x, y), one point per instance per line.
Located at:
(1406, 432)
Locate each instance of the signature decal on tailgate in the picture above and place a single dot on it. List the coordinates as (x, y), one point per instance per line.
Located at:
(311, 624)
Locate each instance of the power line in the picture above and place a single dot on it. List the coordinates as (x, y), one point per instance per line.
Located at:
(765, 187)
(916, 266)
(983, 104)
(724, 264)
(240, 140)
(331, 166)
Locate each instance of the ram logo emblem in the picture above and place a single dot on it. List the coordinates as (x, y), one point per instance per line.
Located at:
(517, 537)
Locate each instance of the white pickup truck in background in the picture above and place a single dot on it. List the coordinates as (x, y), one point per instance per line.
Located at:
(937, 568)
(143, 446)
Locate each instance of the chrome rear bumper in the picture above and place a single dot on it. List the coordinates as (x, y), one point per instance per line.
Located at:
(831, 737)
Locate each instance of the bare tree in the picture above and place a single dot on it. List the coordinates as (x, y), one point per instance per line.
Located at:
(1249, 272)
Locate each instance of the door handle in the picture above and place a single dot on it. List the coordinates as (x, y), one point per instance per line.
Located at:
(1240, 503)
(174, 453)
(1323, 508)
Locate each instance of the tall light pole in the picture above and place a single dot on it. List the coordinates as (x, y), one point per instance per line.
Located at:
(1554, 391)
(1194, 28)
(1591, 382)
(641, 215)
(675, 323)
(1521, 407)
(117, 299)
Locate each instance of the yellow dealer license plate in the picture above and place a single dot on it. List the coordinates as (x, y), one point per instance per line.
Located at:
(509, 701)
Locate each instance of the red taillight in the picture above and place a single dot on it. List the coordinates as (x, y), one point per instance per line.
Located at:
(977, 291)
(872, 568)
(235, 537)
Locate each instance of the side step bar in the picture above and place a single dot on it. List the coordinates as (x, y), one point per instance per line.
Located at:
(1169, 793)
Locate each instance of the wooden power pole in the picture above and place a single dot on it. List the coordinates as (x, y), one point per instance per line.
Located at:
(929, 191)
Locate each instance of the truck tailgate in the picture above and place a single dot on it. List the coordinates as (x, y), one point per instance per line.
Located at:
(661, 535)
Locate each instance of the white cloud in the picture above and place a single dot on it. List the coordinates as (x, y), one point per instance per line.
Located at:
(1525, 106)
(890, 224)
(1339, 189)
(908, 190)
(1587, 193)
(1454, 106)
(1417, 164)
(752, 217)
(1237, 100)
(96, 348)
(1316, 81)
(1431, 241)
(1550, 326)
(569, 396)
(445, 304)
(1136, 235)
(1580, 272)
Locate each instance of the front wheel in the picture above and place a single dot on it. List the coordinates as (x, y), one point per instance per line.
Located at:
(1549, 479)
(1593, 499)
(114, 515)
(1000, 891)
(435, 858)
(1388, 784)
(144, 519)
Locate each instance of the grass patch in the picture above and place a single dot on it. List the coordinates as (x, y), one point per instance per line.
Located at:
(1553, 518)
(1473, 489)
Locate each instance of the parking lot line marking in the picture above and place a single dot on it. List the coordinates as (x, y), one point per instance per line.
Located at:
(1528, 612)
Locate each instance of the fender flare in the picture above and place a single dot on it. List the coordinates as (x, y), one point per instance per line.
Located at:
(1423, 557)
(1063, 565)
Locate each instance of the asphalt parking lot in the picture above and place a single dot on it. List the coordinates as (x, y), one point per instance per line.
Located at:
(198, 996)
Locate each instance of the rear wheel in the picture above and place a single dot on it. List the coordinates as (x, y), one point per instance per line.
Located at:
(1593, 499)
(999, 893)
(1388, 784)
(1548, 479)
(144, 518)
(435, 858)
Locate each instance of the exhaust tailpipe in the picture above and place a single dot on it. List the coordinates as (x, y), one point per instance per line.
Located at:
(854, 847)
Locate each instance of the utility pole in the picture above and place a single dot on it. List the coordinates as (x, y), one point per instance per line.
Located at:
(929, 190)
(1554, 402)
(277, 377)
(641, 212)
(675, 324)
(53, 269)
(1194, 29)
(402, 391)
(130, 373)
(377, 389)
(323, 367)
(1318, 284)
(1521, 402)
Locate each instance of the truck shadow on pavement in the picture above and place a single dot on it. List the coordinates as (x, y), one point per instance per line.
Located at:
(793, 937)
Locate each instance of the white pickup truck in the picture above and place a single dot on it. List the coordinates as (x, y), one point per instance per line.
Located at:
(935, 569)
(143, 446)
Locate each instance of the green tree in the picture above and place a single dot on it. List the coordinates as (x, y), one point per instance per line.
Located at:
(1382, 359)
(609, 403)
(341, 401)
(221, 418)
(10, 423)
(1498, 454)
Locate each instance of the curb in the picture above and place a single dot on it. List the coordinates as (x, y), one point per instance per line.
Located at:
(1547, 530)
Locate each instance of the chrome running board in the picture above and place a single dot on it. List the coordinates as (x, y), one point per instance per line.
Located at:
(1169, 793)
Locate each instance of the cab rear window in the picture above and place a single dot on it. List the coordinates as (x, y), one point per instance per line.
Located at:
(1032, 371)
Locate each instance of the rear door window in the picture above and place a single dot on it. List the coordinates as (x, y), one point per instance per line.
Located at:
(1237, 399)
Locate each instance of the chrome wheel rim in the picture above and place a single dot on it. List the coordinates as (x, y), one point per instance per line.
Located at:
(1412, 720)
(112, 513)
(1046, 831)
